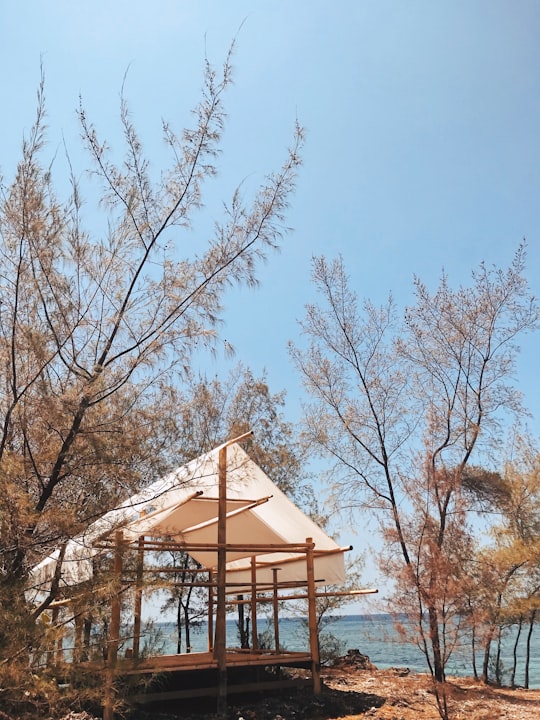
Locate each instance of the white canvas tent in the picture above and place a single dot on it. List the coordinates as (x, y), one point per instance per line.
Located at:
(183, 507)
(249, 540)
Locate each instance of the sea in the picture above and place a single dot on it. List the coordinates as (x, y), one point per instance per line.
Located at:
(372, 635)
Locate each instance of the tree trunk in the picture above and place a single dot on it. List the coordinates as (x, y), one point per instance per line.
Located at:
(487, 654)
(87, 637)
(179, 626)
(514, 652)
(435, 638)
(243, 626)
(187, 628)
(498, 673)
(528, 653)
(473, 651)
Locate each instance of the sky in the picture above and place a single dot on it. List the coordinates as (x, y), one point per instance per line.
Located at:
(422, 127)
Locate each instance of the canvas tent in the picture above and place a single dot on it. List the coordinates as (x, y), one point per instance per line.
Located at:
(184, 508)
(252, 544)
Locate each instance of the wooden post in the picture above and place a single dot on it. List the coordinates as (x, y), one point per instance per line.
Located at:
(78, 643)
(254, 632)
(221, 629)
(57, 656)
(137, 610)
(114, 631)
(210, 611)
(276, 609)
(312, 619)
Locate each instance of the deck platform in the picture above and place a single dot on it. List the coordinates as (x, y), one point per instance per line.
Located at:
(206, 661)
(194, 675)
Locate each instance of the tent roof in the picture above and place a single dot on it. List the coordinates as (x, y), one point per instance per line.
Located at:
(183, 506)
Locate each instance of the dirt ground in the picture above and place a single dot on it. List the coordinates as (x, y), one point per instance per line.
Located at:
(354, 689)
(350, 693)
(410, 697)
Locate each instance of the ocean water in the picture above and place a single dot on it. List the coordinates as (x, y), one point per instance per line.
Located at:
(372, 635)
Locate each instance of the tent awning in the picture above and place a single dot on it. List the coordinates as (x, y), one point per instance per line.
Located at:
(183, 506)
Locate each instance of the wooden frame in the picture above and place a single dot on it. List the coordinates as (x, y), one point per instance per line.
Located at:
(222, 592)
(218, 656)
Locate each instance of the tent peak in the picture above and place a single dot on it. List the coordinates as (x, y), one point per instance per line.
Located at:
(235, 440)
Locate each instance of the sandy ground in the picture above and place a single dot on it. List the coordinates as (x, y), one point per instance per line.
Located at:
(410, 697)
(356, 694)
(352, 692)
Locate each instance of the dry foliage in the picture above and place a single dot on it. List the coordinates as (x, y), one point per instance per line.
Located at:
(403, 405)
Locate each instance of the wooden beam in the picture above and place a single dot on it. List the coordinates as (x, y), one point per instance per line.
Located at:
(114, 631)
(312, 621)
(78, 638)
(303, 596)
(233, 513)
(299, 548)
(238, 439)
(221, 628)
(254, 631)
(137, 609)
(210, 611)
(275, 607)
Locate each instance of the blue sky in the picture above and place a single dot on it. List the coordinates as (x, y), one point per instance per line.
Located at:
(422, 122)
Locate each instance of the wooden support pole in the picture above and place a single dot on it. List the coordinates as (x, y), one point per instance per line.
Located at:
(137, 610)
(276, 609)
(221, 629)
(56, 653)
(210, 611)
(254, 631)
(233, 547)
(312, 620)
(114, 631)
(303, 596)
(78, 639)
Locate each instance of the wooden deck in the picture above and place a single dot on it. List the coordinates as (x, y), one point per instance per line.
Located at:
(206, 661)
(194, 675)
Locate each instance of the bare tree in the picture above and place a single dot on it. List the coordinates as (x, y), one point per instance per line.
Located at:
(510, 564)
(97, 326)
(401, 406)
(214, 409)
